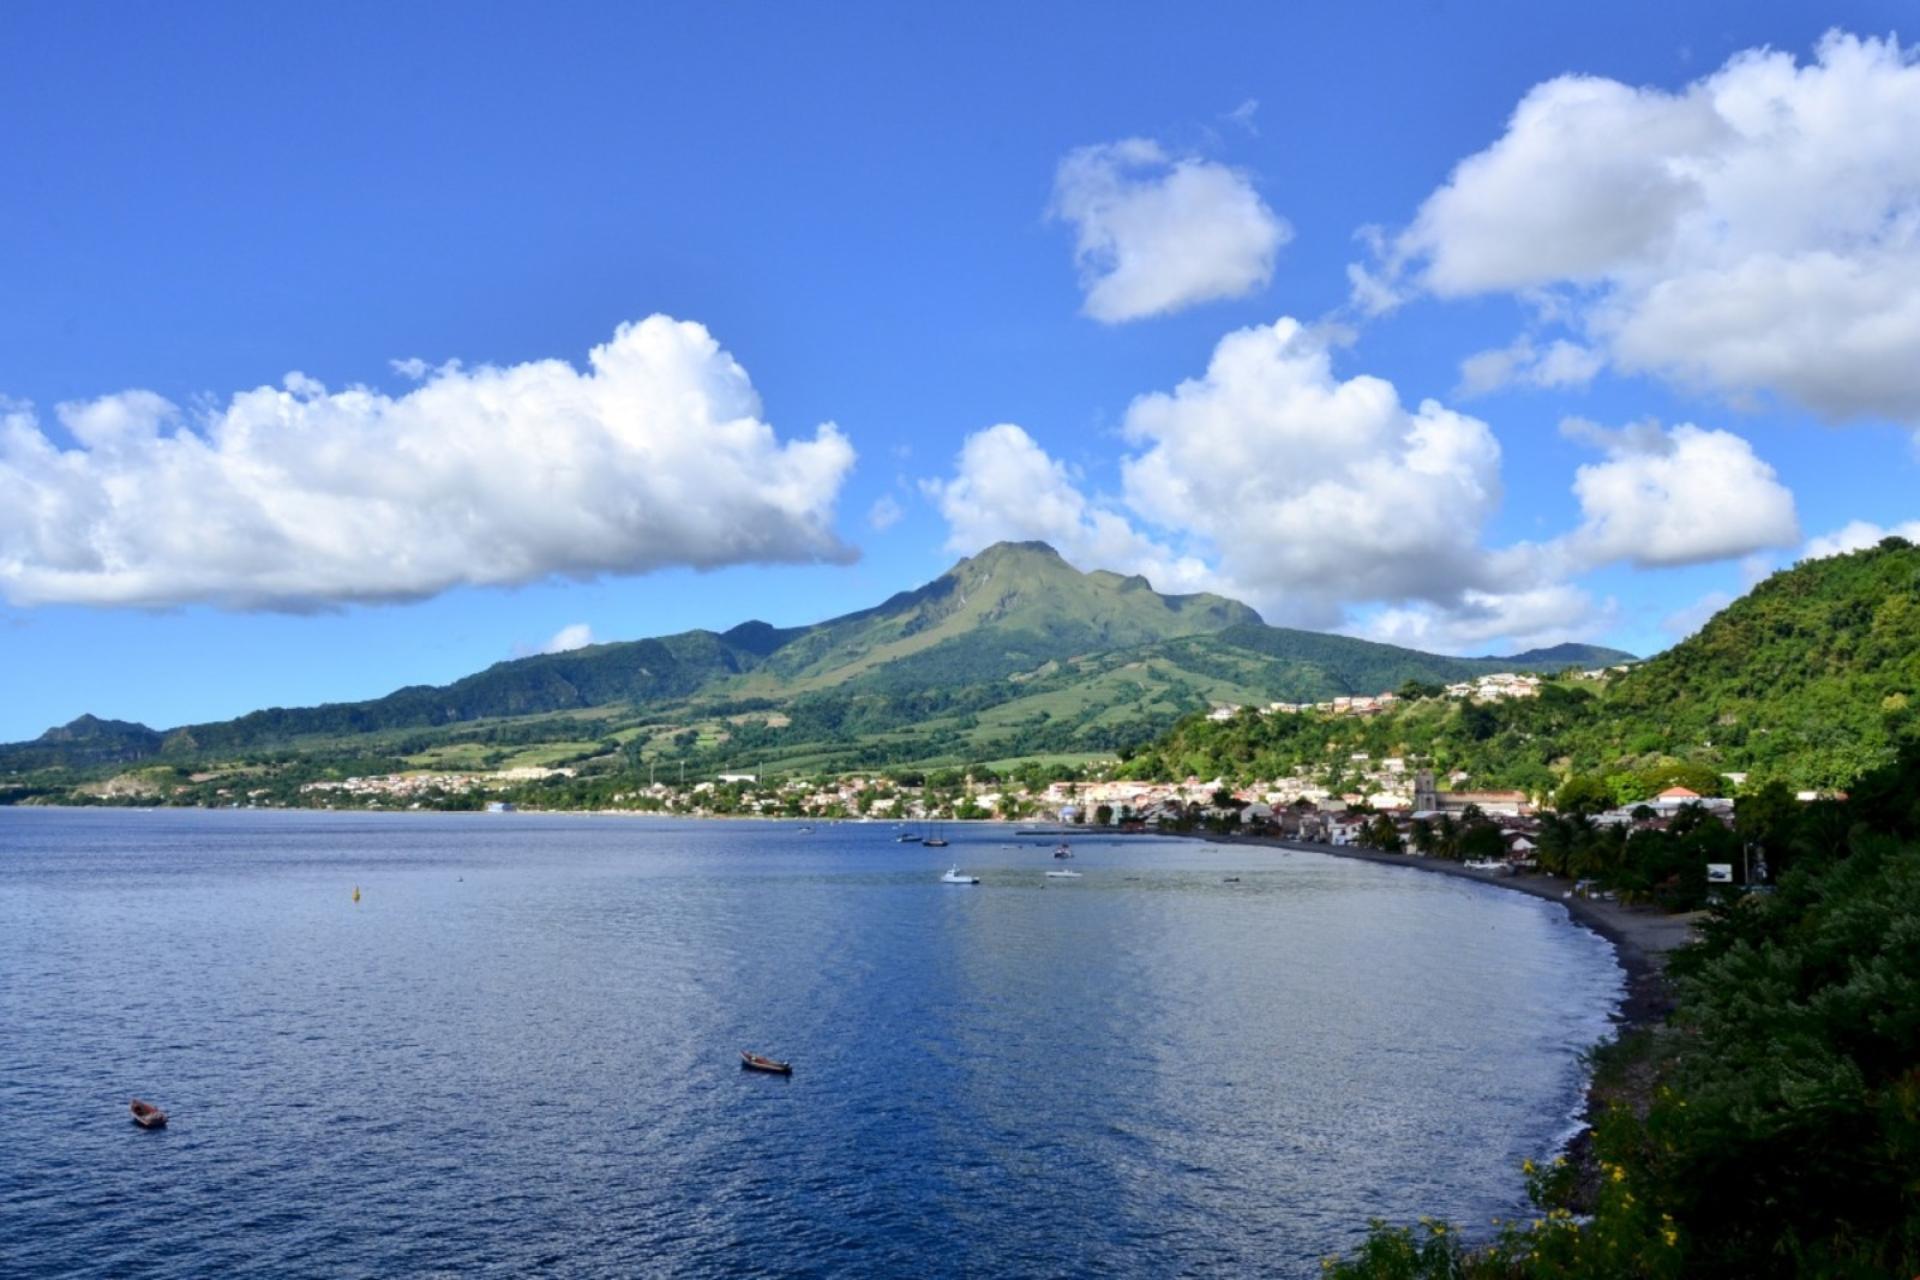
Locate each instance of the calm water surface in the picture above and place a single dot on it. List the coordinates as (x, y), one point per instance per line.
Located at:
(518, 1052)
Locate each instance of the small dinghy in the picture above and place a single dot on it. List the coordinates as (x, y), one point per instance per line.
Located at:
(146, 1115)
(1063, 850)
(953, 876)
(759, 1062)
(1063, 875)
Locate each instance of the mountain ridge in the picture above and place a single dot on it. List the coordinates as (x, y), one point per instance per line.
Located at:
(967, 640)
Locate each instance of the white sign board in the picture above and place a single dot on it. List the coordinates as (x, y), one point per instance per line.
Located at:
(1719, 873)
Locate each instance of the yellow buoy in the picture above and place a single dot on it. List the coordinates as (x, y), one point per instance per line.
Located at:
(356, 893)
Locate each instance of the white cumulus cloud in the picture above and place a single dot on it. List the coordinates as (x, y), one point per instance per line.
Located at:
(1676, 497)
(1006, 488)
(578, 635)
(296, 497)
(1154, 232)
(1755, 232)
(1328, 502)
(1274, 481)
(1858, 535)
(1313, 491)
(1525, 619)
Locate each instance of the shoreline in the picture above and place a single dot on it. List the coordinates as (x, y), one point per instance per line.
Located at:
(1641, 939)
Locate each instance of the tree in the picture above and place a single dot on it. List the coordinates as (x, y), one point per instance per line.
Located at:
(1383, 835)
(1583, 794)
(1103, 815)
(1769, 818)
(1481, 841)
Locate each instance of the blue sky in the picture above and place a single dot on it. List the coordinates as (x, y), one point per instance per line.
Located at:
(874, 212)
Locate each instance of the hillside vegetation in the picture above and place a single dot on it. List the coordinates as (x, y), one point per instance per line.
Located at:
(1811, 679)
(1011, 653)
(1779, 1135)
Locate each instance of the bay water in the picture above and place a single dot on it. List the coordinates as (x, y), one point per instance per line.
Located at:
(518, 1051)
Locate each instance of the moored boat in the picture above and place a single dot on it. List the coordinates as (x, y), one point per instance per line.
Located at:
(1063, 850)
(954, 876)
(760, 1062)
(1063, 875)
(146, 1115)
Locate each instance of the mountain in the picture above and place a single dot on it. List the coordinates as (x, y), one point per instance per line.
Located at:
(1007, 610)
(1011, 651)
(87, 740)
(1559, 656)
(1814, 674)
(1812, 679)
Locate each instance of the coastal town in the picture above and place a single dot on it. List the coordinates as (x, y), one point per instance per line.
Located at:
(1392, 802)
(1389, 801)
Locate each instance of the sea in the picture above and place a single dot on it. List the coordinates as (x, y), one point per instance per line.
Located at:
(397, 1044)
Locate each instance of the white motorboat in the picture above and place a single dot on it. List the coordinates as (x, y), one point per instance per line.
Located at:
(953, 876)
(1063, 875)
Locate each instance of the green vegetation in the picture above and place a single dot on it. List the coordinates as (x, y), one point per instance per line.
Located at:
(1810, 680)
(1782, 1129)
(1011, 654)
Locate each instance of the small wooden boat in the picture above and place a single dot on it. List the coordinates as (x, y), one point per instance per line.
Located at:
(759, 1062)
(146, 1115)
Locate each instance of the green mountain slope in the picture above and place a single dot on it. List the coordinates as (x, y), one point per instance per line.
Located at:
(85, 741)
(1815, 672)
(1813, 679)
(636, 671)
(1006, 610)
(1010, 651)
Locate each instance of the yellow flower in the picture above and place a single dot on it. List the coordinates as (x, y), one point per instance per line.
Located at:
(1671, 1236)
(1619, 1174)
(1526, 1167)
